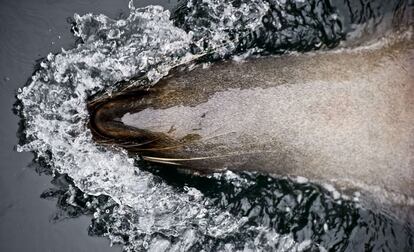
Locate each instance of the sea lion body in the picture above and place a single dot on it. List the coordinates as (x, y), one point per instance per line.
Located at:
(345, 116)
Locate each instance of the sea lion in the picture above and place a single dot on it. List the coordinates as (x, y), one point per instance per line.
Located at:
(345, 116)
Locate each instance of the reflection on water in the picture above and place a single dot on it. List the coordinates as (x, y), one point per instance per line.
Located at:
(148, 209)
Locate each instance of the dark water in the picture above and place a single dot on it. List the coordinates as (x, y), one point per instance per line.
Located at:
(32, 29)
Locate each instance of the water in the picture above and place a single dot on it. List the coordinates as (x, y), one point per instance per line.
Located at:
(29, 31)
(144, 208)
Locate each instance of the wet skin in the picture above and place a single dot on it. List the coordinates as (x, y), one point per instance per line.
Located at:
(345, 117)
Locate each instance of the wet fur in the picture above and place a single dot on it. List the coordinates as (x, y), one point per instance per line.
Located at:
(202, 153)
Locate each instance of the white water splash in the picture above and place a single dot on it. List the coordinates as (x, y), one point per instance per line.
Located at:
(151, 214)
(54, 106)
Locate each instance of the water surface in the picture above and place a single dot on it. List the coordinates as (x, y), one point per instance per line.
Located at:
(144, 207)
(29, 31)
